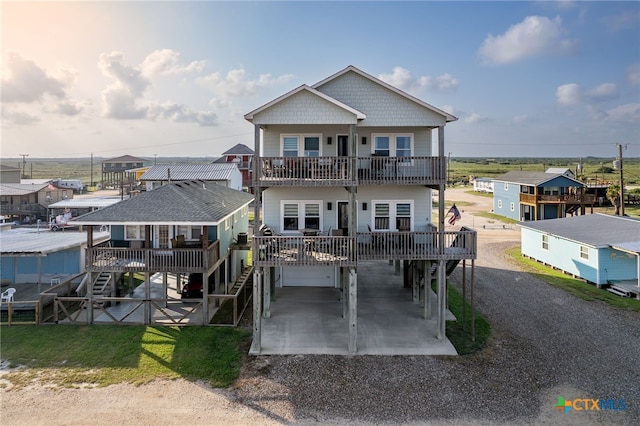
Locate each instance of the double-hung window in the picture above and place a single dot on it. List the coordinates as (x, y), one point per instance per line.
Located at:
(392, 215)
(134, 232)
(584, 252)
(311, 146)
(189, 232)
(290, 146)
(545, 242)
(297, 215)
(393, 145)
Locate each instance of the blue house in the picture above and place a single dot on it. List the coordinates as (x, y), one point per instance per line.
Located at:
(598, 248)
(527, 196)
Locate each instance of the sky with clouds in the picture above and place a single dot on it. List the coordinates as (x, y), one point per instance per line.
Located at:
(542, 78)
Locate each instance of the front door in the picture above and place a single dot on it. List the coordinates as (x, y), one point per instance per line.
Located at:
(343, 217)
(161, 236)
(343, 146)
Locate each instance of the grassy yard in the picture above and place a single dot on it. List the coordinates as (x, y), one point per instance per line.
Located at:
(459, 332)
(578, 288)
(73, 356)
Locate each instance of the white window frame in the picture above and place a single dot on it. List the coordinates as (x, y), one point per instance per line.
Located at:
(393, 142)
(301, 139)
(188, 232)
(545, 242)
(499, 204)
(134, 232)
(584, 252)
(227, 223)
(512, 206)
(393, 210)
(506, 186)
(301, 213)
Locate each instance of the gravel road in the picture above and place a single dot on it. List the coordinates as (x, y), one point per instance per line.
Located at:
(545, 344)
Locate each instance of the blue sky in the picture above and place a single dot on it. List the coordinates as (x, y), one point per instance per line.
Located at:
(552, 79)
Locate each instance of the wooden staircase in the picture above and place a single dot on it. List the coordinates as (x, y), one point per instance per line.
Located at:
(101, 283)
(245, 277)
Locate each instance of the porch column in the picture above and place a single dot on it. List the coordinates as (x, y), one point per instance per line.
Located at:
(266, 309)
(427, 289)
(147, 297)
(353, 311)
(256, 345)
(257, 173)
(441, 241)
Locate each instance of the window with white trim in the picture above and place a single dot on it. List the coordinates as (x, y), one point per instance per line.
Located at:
(512, 207)
(392, 215)
(393, 145)
(545, 242)
(227, 223)
(190, 232)
(134, 232)
(295, 145)
(584, 252)
(297, 215)
(499, 204)
(235, 217)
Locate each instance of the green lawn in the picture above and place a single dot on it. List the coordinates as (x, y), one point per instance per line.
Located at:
(71, 356)
(578, 288)
(459, 331)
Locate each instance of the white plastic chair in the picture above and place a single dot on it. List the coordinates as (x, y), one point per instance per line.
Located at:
(54, 281)
(7, 295)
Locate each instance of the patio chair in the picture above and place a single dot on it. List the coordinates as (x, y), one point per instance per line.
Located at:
(7, 295)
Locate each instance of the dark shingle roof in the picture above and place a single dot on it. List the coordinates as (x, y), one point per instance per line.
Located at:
(185, 202)
(21, 188)
(532, 178)
(239, 149)
(125, 159)
(598, 230)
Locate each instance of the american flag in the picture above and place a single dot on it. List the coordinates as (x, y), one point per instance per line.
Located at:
(455, 216)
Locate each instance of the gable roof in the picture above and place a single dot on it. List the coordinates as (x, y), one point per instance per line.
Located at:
(180, 172)
(21, 188)
(597, 230)
(533, 178)
(179, 203)
(239, 149)
(351, 68)
(359, 115)
(125, 159)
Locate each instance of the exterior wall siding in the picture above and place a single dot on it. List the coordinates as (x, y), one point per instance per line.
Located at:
(420, 196)
(304, 108)
(616, 265)
(382, 106)
(507, 196)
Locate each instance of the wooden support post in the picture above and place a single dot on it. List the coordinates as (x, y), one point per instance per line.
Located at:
(442, 300)
(353, 311)
(396, 270)
(415, 281)
(344, 286)
(473, 314)
(205, 297)
(147, 296)
(427, 290)
(464, 293)
(266, 309)
(256, 345)
(272, 282)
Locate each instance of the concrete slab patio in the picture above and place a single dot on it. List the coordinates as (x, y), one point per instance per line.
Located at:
(308, 320)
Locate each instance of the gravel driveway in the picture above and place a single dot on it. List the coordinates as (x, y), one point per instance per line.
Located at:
(545, 344)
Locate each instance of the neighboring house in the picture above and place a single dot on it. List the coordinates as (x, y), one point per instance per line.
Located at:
(484, 184)
(27, 203)
(115, 171)
(523, 196)
(181, 228)
(225, 174)
(9, 174)
(241, 155)
(31, 255)
(345, 172)
(598, 248)
(561, 171)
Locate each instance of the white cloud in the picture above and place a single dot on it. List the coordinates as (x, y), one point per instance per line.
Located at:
(627, 113)
(623, 21)
(165, 62)
(125, 97)
(633, 74)
(535, 36)
(16, 116)
(520, 118)
(568, 94)
(403, 79)
(573, 94)
(236, 83)
(474, 117)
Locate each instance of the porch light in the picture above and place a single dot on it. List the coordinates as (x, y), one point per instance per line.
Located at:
(364, 140)
(329, 140)
(329, 205)
(364, 206)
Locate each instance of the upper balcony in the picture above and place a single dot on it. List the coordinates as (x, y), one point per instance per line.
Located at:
(533, 199)
(126, 259)
(296, 250)
(348, 171)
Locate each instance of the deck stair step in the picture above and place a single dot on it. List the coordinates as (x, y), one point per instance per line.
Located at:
(620, 291)
(101, 283)
(246, 276)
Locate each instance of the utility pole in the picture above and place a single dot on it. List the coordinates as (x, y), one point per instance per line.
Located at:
(621, 180)
(24, 165)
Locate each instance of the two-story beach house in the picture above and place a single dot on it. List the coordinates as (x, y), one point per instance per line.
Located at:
(345, 170)
(241, 155)
(525, 195)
